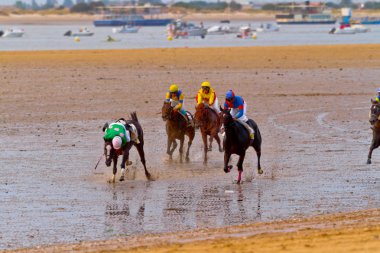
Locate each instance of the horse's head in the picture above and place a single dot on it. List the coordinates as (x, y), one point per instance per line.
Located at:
(374, 113)
(226, 117)
(166, 111)
(109, 151)
(201, 114)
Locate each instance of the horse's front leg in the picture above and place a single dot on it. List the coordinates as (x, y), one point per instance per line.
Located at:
(210, 142)
(240, 167)
(227, 156)
(125, 160)
(371, 148)
(204, 138)
(114, 170)
(181, 141)
(191, 135)
(140, 149)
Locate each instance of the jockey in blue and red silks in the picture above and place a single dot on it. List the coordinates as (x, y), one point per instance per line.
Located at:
(238, 110)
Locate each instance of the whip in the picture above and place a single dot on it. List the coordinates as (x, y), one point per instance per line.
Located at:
(100, 158)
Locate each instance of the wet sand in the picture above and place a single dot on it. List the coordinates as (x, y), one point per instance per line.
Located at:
(311, 104)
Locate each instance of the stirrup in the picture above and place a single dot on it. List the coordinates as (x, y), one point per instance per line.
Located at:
(252, 136)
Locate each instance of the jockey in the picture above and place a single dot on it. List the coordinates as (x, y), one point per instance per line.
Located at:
(238, 110)
(378, 96)
(207, 94)
(175, 96)
(118, 134)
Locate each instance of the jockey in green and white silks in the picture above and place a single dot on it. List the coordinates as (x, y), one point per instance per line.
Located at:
(117, 133)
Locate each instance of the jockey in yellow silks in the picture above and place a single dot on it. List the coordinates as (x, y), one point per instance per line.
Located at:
(207, 95)
(176, 98)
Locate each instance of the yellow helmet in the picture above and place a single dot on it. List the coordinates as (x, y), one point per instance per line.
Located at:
(206, 84)
(173, 88)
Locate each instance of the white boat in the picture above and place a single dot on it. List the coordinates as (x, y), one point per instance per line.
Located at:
(222, 29)
(13, 33)
(268, 28)
(80, 33)
(343, 30)
(126, 29)
(181, 29)
(360, 28)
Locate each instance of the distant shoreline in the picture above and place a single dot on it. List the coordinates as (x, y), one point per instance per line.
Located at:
(73, 18)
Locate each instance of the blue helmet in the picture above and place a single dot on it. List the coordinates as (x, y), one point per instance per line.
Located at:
(230, 94)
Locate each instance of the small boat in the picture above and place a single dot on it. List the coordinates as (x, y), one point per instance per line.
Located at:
(181, 29)
(268, 28)
(126, 29)
(13, 33)
(81, 33)
(370, 21)
(360, 28)
(342, 30)
(222, 29)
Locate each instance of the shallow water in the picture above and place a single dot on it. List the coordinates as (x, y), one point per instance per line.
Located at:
(50, 37)
(50, 192)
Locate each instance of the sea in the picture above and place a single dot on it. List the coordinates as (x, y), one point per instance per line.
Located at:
(50, 37)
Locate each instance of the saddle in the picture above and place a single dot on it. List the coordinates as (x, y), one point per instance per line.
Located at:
(131, 128)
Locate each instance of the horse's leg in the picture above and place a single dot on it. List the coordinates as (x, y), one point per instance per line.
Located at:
(125, 160)
(140, 149)
(204, 138)
(191, 138)
(181, 141)
(210, 146)
(373, 146)
(240, 166)
(258, 153)
(216, 136)
(227, 156)
(114, 168)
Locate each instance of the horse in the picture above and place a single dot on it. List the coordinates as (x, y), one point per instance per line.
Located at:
(176, 128)
(237, 141)
(208, 121)
(375, 122)
(112, 154)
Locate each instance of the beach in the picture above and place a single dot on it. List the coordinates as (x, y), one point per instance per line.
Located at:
(311, 104)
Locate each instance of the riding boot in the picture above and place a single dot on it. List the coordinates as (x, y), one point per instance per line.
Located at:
(250, 130)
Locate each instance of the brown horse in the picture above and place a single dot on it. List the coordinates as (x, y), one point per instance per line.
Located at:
(176, 128)
(375, 122)
(209, 123)
(112, 154)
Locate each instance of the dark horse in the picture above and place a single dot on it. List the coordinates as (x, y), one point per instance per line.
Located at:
(176, 128)
(209, 123)
(112, 155)
(237, 141)
(375, 122)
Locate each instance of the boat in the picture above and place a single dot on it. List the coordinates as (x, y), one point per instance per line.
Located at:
(370, 21)
(222, 29)
(359, 28)
(268, 28)
(309, 13)
(13, 33)
(182, 29)
(82, 32)
(131, 16)
(342, 30)
(126, 29)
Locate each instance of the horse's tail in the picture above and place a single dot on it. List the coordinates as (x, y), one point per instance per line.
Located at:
(134, 117)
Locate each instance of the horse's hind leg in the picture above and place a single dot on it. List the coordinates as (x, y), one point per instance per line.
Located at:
(191, 138)
(258, 153)
(204, 138)
(140, 149)
(218, 141)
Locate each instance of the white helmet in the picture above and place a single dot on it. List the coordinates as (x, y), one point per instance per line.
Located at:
(116, 142)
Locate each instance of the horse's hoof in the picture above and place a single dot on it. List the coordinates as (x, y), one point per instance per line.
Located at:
(368, 161)
(209, 149)
(221, 150)
(260, 171)
(121, 178)
(127, 163)
(148, 176)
